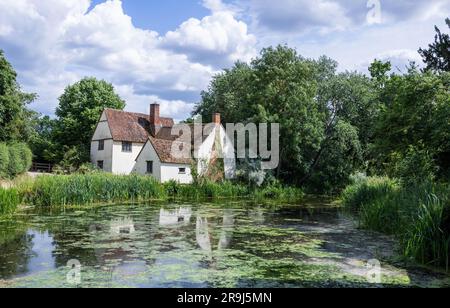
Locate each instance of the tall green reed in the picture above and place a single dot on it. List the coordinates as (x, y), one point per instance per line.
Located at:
(9, 201)
(418, 216)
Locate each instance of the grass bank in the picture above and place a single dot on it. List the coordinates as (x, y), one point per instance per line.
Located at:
(418, 216)
(98, 188)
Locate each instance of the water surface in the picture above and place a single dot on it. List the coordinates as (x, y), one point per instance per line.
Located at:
(232, 244)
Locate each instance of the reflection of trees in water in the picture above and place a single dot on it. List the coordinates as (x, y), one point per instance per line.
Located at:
(15, 253)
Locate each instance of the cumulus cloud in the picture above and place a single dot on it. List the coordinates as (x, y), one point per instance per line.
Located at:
(56, 42)
(219, 39)
(53, 43)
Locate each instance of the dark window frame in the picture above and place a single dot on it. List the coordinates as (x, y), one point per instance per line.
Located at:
(101, 145)
(100, 164)
(127, 147)
(182, 170)
(150, 166)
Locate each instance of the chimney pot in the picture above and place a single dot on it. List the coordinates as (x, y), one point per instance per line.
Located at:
(154, 114)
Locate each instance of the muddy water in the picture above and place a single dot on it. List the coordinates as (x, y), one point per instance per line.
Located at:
(234, 244)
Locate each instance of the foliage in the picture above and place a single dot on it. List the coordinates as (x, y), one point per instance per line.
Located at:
(437, 56)
(300, 94)
(4, 161)
(342, 157)
(364, 190)
(78, 112)
(15, 159)
(95, 188)
(9, 200)
(416, 167)
(73, 159)
(414, 113)
(14, 115)
(41, 141)
(417, 215)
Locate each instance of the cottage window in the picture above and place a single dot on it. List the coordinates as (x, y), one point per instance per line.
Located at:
(127, 147)
(101, 145)
(150, 167)
(100, 164)
(182, 170)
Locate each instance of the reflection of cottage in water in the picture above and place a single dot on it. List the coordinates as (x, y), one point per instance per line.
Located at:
(123, 225)
(205, 235)
(179, 216)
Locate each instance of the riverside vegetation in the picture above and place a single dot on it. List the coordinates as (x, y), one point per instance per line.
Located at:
(101, 188)
(391, 126)
(418, 215)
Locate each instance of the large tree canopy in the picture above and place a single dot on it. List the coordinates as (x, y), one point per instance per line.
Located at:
(301, 95)
(437, 56)
(414, 114)
(14, 115)
(79, 109)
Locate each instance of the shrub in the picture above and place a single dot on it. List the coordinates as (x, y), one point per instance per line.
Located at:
(4, 161)
(17, 157)
(417, 166)
(365, 190)
(16, 163)
(26, 156)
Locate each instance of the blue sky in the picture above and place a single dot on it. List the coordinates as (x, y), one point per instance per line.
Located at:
(167, 51)
(161, 16)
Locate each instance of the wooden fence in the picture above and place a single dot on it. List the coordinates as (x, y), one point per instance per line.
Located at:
(41, 167)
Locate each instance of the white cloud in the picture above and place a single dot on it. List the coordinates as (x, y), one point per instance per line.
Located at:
(216, 39)
(56, 42)
(53, 43)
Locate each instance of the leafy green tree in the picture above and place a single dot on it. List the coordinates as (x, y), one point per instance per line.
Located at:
(342, 157)
(437, 56)
(78, 112)
(41, 141)
(302, 95)
(414, 112)
(14, 115)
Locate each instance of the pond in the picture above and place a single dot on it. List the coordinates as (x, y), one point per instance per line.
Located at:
(229, 244)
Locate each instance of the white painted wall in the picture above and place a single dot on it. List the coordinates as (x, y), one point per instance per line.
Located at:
(102, 132)
(105, 155)
(171, 172)
(124, 162)
(148, 154)
(163, 172)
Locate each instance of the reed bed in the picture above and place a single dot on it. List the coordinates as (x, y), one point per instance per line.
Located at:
(418, 216)
(101, 188)
(9, 201)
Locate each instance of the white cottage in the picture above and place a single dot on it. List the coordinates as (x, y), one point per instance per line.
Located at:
(126, 142)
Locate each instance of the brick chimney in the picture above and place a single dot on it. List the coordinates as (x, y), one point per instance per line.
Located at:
(216, 118)
(154, 115)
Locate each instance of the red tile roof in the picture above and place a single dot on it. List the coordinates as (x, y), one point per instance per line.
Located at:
(130, 126)
(136, 127)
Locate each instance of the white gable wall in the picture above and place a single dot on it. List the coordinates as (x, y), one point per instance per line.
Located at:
(123, 162)
(102, 132)
(148, 154)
